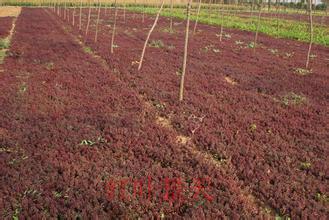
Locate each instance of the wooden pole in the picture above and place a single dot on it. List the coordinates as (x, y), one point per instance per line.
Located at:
(181, 89)
(257, 27)
(171, 15)
(197, 17)
(148, 36)
(97, 22)
(80, 15)
(114, 26)
(311, 34)
(88, 22)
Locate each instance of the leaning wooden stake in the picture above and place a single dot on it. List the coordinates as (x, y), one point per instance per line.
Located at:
(124, 12)
(97, 22)
(221, 24)
(114, 25)
(73, 16)
(80, 15)
(64, 10)
(143, 13)
(311, 34)
(171, 15)
(257, 27)
(181, 89)
(197, 17)
(148, 36)
(88, 22)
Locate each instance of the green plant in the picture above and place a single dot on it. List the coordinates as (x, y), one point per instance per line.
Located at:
(208, 47)
(87, 142)
(57, 194)
(4, 43)
(289, 54)
(87, 50)
(238, 42)
(156, 44)
(215, 50)
(302, 71)
(168, 30)
(305, 165)
(322, 198)
(251, 45)
(49, 65)
(16, 214)
(273, 51)
(293, 99)
(2, 56)
(23, 88)
(253, 127)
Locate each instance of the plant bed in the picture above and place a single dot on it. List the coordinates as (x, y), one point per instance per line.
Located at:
(269, 124)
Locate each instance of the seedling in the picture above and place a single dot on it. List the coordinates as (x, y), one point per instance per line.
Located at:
(179, 72)
(251, 45)
(87, 142)
(253, 127)
(302, 71)
(219, 158)
(312, 56)
(305, 165)
(322, 198)
(289, 55)
(87, 50)
(2, 56)
(23, 88)
(238, 42)
(50, 66)
(167, 30)
(16, 214)
(159, 105)
(227, 35)
(156, 44)
(273, 51)
(215, 50)
(293, 99)
(207, 48)
(4, 43)
(57, 194)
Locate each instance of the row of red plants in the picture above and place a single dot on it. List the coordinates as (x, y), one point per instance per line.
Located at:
(277, 149)
(69, 127)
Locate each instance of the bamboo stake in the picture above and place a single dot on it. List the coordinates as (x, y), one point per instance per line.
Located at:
(105, 8)
(68, 15)
(148, 36)
(171, 15)
(221, 25)
(124, 12)
(257, 28)
(114, 25)
(64, 10)
(80, 15)
(311, 34)
(73, 16)
(197, 17)
(88, 22)
(143, 13)
(97, 22)
(181, 89)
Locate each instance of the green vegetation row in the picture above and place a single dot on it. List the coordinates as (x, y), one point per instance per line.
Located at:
(279, 28)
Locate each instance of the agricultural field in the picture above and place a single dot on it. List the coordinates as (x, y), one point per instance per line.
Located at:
(127, 111)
